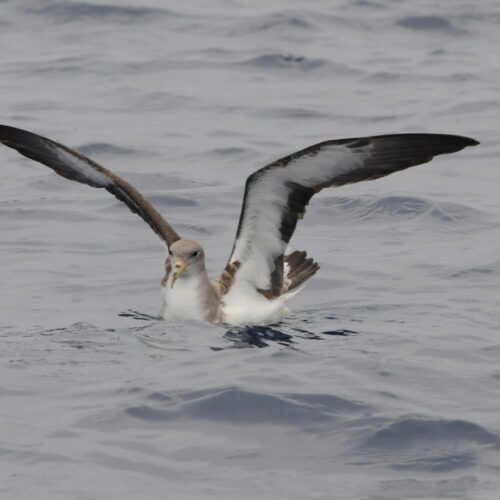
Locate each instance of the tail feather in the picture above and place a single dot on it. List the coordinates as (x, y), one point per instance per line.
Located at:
(300, 269)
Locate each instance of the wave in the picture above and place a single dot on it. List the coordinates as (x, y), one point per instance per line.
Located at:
(236, 406)
(414, 432)
(407, 207)
(291, 22)
(230, 151)
(104, 148)
(383, 77)
(69, 12)
(452, 487)
(428, 23)
(431, 445)
(44, 215)
(489, 269)
(171, 200)
(290, 113)
(284, 61)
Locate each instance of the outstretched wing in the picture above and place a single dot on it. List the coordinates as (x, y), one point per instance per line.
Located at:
(277, 194)
(77, 167)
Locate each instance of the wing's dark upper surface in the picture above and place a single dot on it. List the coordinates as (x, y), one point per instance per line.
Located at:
(77, 167)
(277, 194)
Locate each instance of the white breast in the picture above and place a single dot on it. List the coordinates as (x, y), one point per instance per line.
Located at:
(183, 301)
(243, 305)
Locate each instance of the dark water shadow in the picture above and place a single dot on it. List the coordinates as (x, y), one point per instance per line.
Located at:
(264, 336)
(287, 333)
(64, 12)
(129, 313)
(419, 443)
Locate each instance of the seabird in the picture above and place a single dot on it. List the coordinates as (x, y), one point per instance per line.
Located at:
(259, 276)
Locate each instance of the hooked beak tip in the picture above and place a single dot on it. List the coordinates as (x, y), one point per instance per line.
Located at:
(179, 268)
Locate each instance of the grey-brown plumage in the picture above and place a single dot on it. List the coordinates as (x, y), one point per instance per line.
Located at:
(259, 276)
(301, 269)
(77, 167)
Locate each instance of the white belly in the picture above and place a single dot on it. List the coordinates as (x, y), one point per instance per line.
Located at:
(243, 305)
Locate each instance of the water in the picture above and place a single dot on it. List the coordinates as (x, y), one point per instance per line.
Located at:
(383, 384)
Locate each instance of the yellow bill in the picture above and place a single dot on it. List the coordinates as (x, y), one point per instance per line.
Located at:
(179, 268)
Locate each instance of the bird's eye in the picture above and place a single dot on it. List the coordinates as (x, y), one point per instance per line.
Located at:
(195, 253)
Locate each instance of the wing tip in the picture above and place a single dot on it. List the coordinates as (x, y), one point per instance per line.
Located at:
(464, 141)
(17, 138)
(472, 142)
(430, 144)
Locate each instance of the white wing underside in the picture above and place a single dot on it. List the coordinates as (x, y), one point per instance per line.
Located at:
(260, 238)
(277, 194)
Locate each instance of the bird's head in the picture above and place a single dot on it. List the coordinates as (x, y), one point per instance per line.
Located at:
(186, 258)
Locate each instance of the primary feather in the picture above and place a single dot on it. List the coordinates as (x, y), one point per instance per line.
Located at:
(76, 166)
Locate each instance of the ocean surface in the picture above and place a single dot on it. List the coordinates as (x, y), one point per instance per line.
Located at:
(384, 382)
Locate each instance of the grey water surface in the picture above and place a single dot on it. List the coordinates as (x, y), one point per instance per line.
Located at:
(383, 384)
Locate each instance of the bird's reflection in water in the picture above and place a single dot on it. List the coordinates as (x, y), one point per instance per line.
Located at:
(287, 333)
